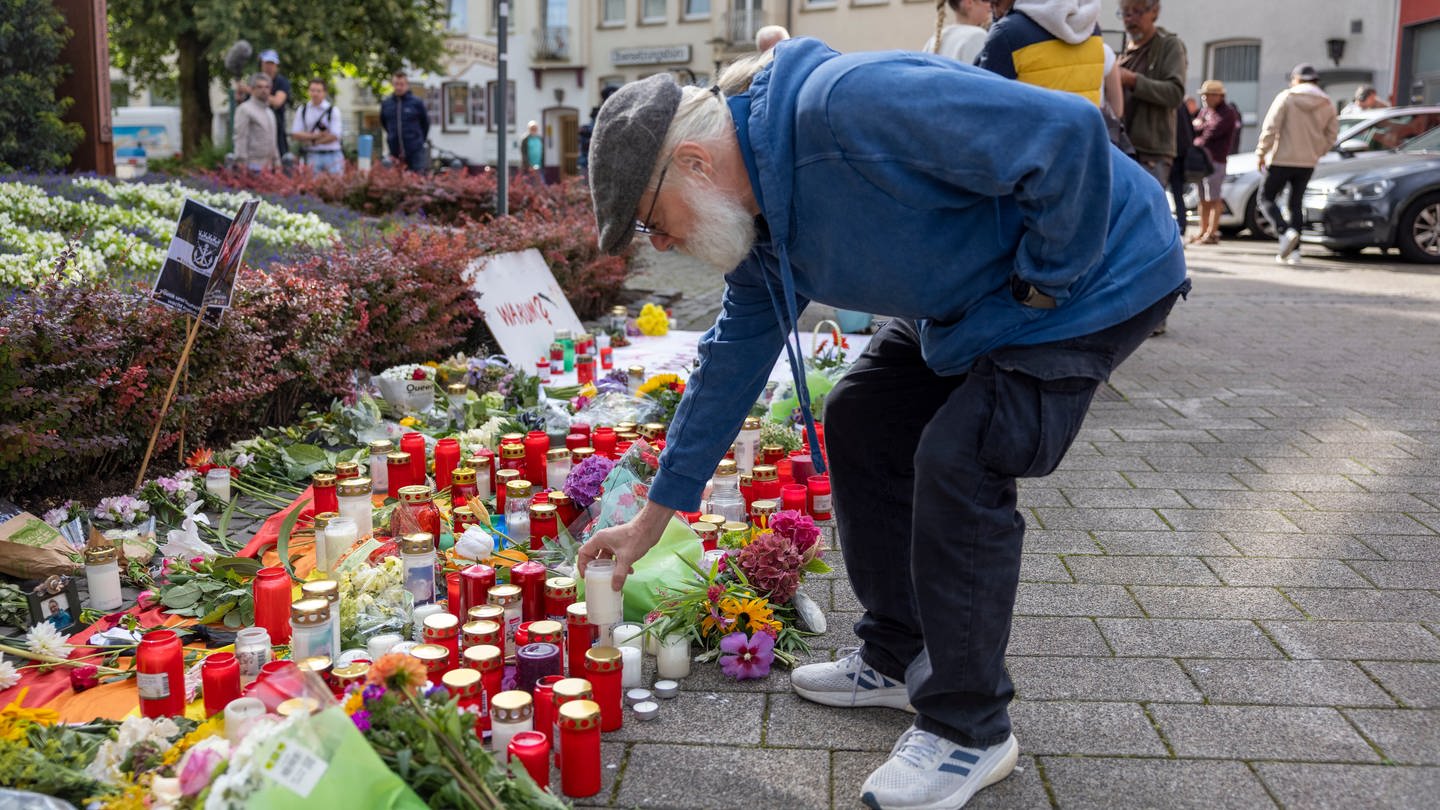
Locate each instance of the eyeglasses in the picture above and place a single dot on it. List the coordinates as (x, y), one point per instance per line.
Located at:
(645, 226)
(1133, 11)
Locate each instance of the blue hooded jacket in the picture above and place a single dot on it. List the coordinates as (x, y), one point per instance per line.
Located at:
(915, 186)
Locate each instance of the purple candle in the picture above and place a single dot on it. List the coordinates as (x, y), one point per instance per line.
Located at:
(801, 467)
(535, 661)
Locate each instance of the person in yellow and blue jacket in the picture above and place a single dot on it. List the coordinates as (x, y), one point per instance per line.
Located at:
(1047, 43)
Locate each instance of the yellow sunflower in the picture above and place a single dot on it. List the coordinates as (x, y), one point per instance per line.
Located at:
(657, 382)
(15, 718)
(213, 727)
(754, 612)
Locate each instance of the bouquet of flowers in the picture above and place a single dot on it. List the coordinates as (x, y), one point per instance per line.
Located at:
(373, 600)
(666, 390)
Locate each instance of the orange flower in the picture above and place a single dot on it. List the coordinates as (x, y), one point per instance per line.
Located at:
(200, 457)
(397, 671)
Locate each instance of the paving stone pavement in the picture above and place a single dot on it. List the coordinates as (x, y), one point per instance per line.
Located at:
(1231, 594)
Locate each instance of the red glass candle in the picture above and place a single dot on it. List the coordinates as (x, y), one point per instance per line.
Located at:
(397, 473)
(544, 524)
(419, 501)
(278, 682)
(794, 497)
(452, 593)
(463, 488)
(414, 444)
(747, 489)
(580, 741)
(772, 453)
(480, 631)
(219, 681)
(709, 535)
(467, 685)
(559, 595)
(532, 749)
(435, 658)
(820, 505)
(621, 447)
(487, 659)
(767, 483)
(545, 707)
(522, 635)
(602, 669)
(580, 635)
(603, 440)
(542, 368)
(563, 692)
(576, 440)
(345, 470)
(160, 674)
(447, 458)
(322, 484)
(443, 629)
(584, 368)
(607, 358)
(801, 467)
(530, 576)
(583, 428)
(566, 511)
(557, 355)
(536, 444)
(475, 584)
(272, 591)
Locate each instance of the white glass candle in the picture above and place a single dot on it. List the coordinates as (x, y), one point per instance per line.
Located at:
(601, 600)
(510, 713)
(632, 668)
(421, 611)
(217, 483)
(674, 658)
(340, 534)
(417, 553)
(379, 469)
(747, 444)
(239, 714)
(381, 644)
(627, 634)
(557, 467)
(252, 651)
(354, 497)
(310, 629)
(329, 590)
(102, 574)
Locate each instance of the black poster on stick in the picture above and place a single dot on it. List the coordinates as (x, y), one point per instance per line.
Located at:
(192, 257)
(221, 289)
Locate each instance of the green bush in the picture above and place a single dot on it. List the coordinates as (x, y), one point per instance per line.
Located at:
(32, 135)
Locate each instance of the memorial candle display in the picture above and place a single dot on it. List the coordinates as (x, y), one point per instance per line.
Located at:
(508, 597)
(517, 511)
(580, 636)
(529, 577)
(488, 661)
(674, 658)
(544, 695)
(309, 629)
(271, 588)
(466, 684)
(502, 482)
(379, 474)
(219, 681)
(602, 670)
(483, 462)
(447, 458)
(547, 631)
(463, 486)
(417, 552)
(443, 629)
(160, 674)
(419, 501)
(475, 584)
(544, 524)
(820, 504)
(632, 669)
(566, 691)
(537, 446)
(580, 744)
(252, 652)
(102, 575)
(435, 658)
(323, 484)
(767, 482)
(602, 601)
(397, 470)
(329, 590)
(478, 632)
(355, 504)
(535, 661)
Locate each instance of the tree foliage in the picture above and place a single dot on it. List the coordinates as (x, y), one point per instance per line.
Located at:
(32, 135)
(156, 38)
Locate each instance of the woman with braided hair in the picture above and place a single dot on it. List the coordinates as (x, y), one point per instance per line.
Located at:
(964, 38)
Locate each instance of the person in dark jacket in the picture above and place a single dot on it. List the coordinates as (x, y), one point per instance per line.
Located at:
(407, 124)
(1152, 71)
(1216, 128)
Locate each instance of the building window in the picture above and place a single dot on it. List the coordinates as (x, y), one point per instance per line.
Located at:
(458, 17)
(119, 93)
(457, 106)
(746, 17)
(1237, 64)
(809, 4)
(697, 9)
(492, 105)
(652, 11)
(553, 41)
(612, 12)
(495, 15)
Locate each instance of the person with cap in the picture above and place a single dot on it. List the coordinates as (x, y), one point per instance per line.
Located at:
(406, 123)
(1299, 129)
(255, 128)
(965, 37)
(1021, 270)
(1152, 71)
(1215, 129)
(532, 149)
(279, 96)
(1366, 98)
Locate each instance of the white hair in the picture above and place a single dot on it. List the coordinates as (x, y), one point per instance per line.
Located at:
(702, 117)
(769, 36)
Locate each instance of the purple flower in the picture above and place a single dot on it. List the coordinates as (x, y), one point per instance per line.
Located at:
(373, 692)
(616, 382)
(798, 527)
(583, 485)
(746, 657)
(361, 719)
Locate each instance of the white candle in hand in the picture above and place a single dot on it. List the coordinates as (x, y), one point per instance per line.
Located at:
(601, 599)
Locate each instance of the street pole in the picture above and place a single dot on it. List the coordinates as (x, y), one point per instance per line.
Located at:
(502, 185)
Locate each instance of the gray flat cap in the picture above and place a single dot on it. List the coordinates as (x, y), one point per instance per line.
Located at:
(624, 147)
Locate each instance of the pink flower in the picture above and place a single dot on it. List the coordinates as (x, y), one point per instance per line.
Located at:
(200, 765)
(799, 528)
(147, 599)
(772, 564)
(82, 678)
(747, 657)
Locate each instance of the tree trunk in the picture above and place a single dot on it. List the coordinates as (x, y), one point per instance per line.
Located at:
(195, 112)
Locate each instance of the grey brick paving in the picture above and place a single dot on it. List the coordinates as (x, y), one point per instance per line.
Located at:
(1250, 518)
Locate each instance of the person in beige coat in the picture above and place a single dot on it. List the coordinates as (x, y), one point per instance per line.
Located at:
(1299, 128)
(255, 147)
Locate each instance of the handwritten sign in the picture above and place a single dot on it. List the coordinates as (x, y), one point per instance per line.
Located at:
(521, 303)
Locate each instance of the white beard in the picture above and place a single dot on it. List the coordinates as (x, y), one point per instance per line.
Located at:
(724, 231)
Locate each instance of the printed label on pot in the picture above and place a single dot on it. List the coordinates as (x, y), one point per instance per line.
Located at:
(153, 685)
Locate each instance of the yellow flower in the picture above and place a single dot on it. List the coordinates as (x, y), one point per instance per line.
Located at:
(653, 321)
(657, 382)
(755, 612)
(409, 421)
(15, 718)
(354, 701)
(213, 727)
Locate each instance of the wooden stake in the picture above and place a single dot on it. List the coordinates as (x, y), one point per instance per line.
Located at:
(169, 394)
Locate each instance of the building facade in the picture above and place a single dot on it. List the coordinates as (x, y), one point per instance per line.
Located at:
(1417, 60)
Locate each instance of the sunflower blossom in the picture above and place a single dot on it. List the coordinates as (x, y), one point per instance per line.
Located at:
(657, 382)
(754, 614)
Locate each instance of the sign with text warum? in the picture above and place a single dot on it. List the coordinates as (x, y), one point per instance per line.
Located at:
(522, 304)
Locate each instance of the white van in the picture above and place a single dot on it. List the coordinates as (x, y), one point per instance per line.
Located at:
(143, 133)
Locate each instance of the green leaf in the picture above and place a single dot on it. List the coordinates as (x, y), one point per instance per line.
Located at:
(282, 547)
(181, 597)
(241, 566)
(304, 460)
(816, 566)
(219, 612)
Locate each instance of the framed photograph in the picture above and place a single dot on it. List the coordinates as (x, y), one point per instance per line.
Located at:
(457, 106)
(55, 600)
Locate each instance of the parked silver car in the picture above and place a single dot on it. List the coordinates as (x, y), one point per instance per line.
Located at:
(1376, 131)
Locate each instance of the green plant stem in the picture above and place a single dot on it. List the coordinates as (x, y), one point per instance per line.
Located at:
(494, 802)
(51, 660)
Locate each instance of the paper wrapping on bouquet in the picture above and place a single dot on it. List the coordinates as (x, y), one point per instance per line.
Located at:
(786, 400)
(324, 761)
(30, 548)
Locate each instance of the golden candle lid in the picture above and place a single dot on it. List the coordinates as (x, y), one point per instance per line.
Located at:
(441, 622)
(416, 493)
(716, 520)
(734, 526)
(512, 438)
(765, 507)
(726, 467)
(765, 472)
(602, 655)
(746, 479)
(382, 447)
(487, 612)
(580, 713)
(323, 519)
(656, 427)
(101, 554)
(461, 679)
(327, 589)
(704, 529)
(519, 488)
(504, 476)
(512, 451)
(481, 627)
(417, 543)
(559, 586)
(544, 510)
(577, 613)
(484, 657)
(351, 673)
(636, 371)
(310, 612)
(619, 309)
(351, 487)
(480, 460)
(750, 423)
(398, 457)
(347, 469)
(456, 388)
(431, 654)
(579, 454)
(504, 594)
(558, 498)
(323, 479)
(465, 476)
(573, 689)
(625, 427)
(319, 664)
(298, 706)
(557, 454)
(545, 629)
(772, 450)
(627, 436)
(511, 707)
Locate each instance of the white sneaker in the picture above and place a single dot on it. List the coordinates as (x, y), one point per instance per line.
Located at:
(1293, 259)
(928, 772)
(1289, 242)
(848, 683)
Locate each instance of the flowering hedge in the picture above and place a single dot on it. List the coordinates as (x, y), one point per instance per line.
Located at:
(123, 229)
